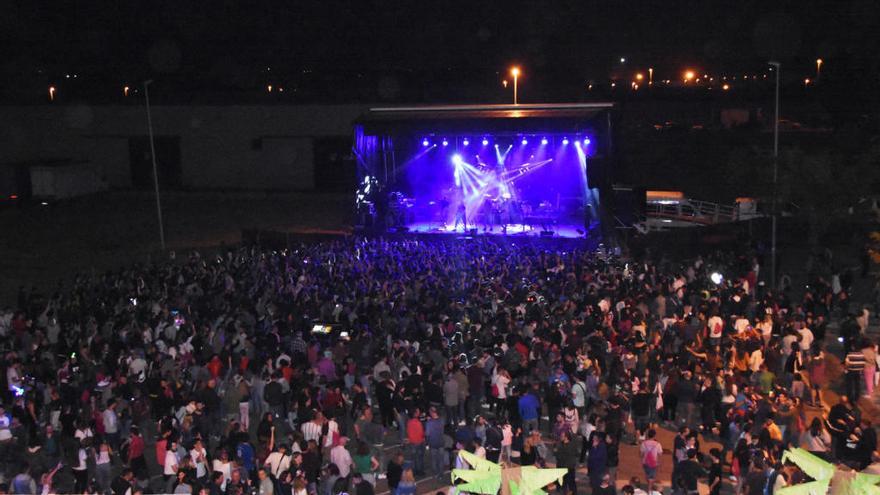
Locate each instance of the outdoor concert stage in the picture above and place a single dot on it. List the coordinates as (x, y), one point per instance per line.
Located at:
(570, 231)
(515, 170)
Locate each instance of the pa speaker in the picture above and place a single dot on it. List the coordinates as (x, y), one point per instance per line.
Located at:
(598, 173)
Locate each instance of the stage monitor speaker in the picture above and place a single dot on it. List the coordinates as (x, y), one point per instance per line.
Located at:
(629, 204)
(547, 233)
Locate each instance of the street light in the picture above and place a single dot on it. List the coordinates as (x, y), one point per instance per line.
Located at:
(778, 67)
(515, 73)
(51, 93)
(818, 67)
(688, 75)
(650, 76)
(155, 169)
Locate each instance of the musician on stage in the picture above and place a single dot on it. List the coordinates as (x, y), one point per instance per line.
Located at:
(444, 208)
(461, 216)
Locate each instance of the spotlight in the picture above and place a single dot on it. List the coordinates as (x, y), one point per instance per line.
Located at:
(586, 140)
(485, 141)
(465, 142)
(544, 141)
(716, 278)
(456, 159)
(577, 143)
(525, 141)
(425, 142)
(445, 142)
(565, 141)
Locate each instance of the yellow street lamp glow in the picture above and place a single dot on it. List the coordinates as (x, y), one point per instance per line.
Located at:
(639, 76)
(650, 75)
(504, 83)
(818, 67)
(125, 90)
(806, 81)
(514, 71)
(725, 87)
(688, 75)
(51, 93)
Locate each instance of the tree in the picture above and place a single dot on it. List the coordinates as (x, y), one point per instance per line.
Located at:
(824, 185)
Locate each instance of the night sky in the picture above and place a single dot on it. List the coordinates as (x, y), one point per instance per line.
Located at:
(344, 50)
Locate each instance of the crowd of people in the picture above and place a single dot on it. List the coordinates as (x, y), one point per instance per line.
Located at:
(330, 367)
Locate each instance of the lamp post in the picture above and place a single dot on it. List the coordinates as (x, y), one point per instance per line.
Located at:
(818, 67)
(155, 169)
(778, 68)
(515, 73)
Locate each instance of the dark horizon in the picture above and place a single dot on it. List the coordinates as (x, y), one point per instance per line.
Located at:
(338, 51)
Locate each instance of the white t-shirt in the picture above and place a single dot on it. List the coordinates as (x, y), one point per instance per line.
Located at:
(82, 457)
(5, 432)
(201, 467)
(170, 462)
(225, 468)
(340, 456)
(500, 382)
(806, 338)
(716, 325)
(756, 359)
(278, 462)
(83, 434)
(578, 393)
(332, 427)
(102, 457)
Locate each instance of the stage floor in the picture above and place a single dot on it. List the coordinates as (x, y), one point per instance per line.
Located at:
(562, 230)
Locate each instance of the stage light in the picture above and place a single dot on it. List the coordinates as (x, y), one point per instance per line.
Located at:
(456, 159)
(465, 142)
(525, 141)
(445, 142)
(425, 143)
(485, 142)
(565, 141)
(544, 141)
(587, 141)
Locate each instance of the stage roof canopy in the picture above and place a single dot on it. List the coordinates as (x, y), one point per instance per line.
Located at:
(477, 119)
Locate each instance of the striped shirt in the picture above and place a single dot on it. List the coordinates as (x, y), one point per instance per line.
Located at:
(855, 361)
(311, 431)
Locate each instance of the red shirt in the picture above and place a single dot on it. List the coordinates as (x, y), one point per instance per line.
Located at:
(415, 432)
(214, 366)
(136, 448)
(161, 446)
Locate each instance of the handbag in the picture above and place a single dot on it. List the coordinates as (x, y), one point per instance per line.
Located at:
(659, 404)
